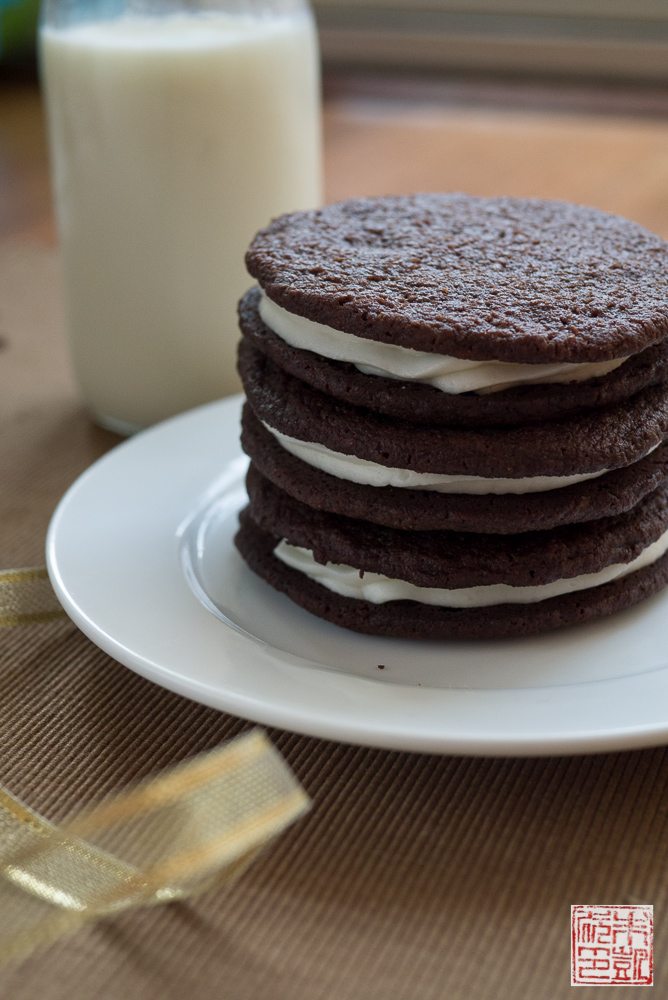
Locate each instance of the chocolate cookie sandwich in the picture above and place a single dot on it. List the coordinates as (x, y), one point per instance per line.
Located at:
(447, 364)
(469, 296)
(505, 471)
(402, 507)
(445, 585)
(451, 402)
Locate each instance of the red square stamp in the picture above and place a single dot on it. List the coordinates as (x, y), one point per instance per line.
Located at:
(612, 945)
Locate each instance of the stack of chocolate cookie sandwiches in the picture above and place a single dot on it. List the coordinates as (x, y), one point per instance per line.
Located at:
(456, 410)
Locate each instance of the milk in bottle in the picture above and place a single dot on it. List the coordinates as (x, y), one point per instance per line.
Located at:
(173, 140)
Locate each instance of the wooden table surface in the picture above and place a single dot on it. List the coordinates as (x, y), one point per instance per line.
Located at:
(397, 136)
(603, 146)
(385, 135)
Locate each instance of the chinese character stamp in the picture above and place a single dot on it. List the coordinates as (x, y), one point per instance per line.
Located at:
(612, 945)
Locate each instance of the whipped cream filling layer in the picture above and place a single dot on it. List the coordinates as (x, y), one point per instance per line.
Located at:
(360, 470)
(378, 589)
(451, 375)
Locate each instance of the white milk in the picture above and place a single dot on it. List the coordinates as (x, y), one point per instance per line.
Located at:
(173, 140)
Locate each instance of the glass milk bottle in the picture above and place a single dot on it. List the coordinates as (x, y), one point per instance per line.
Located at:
(176, 130)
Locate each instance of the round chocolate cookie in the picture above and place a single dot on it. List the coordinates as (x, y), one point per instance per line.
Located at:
(605, 496)
(483, 278)
(454, 559)
(412, 620)
(424, 404)
(601, 439)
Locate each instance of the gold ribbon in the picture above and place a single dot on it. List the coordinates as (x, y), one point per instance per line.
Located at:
(193, 826)
(26, 597)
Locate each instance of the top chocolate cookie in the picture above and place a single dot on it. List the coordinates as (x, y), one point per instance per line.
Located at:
(516, 280)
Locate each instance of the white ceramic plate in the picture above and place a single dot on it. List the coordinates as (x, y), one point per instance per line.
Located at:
(140, 553)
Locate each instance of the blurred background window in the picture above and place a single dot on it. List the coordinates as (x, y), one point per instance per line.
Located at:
(614, 39)
(604, 39)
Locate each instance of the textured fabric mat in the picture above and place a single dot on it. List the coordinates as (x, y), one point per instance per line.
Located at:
(414, 877)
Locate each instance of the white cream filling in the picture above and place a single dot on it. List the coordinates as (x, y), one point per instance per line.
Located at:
(379, 589)
(451, 375)
(359, 470)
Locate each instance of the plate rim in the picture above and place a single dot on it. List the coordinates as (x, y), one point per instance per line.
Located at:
(323, 725)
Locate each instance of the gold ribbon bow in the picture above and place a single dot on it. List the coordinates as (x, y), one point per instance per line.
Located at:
(192, 826)
(26, 597)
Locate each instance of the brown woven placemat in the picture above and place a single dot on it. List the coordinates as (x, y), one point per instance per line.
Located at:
(415, 877)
